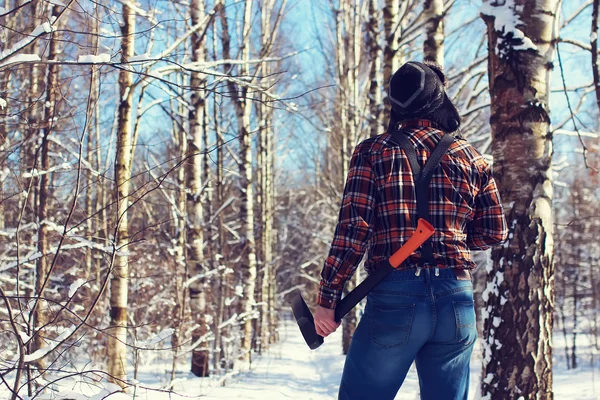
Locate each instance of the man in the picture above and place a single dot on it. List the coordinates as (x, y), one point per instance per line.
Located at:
(424, 311)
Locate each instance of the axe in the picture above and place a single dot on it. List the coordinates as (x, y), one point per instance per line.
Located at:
(302, 313)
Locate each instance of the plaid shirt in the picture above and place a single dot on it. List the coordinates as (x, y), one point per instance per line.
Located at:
(378, 211)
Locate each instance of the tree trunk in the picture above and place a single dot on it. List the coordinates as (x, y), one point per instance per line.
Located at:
(592, 277)
(179, 231)
(391, 30)
(520, 289)
(243, 112)
(117, 339)
(40, 317)
(575, 321)
(91, 117)
(594, 43)
(433, 46)
(376, 124)
(195, 237)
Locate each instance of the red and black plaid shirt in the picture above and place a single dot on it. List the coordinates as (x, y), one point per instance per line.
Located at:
(379, 209)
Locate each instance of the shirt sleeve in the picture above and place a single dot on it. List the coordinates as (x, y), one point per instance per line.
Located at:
(354, 227)
(488, 227)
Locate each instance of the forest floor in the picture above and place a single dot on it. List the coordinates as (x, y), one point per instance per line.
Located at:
(290, 370)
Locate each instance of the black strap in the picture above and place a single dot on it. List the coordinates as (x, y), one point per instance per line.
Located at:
(422, 178)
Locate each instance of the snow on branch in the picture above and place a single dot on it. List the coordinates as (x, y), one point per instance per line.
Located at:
(43, 29)
(40, 353)
(4, 11)
(92, 59)
(83, 243)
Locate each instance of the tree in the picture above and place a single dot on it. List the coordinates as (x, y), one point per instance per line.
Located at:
(40, 312)
(519, 293)
(433, 47)
(243, 109)
(195, 238)
(119, 285)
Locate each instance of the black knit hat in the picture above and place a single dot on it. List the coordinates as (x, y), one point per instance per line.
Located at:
(417, 91)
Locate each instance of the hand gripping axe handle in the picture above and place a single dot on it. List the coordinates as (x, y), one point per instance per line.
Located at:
(302, 313)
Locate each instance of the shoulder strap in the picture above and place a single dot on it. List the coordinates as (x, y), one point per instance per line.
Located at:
(422, 178)
(422, 191)
(409, 149)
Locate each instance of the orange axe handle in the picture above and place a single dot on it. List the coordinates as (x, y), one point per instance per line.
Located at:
(423, 232)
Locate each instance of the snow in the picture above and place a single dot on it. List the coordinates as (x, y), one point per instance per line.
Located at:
(21, 58)
(36, 355)
(2, 103)
(163, 335)
(56, 3)
(506, 21)
(288, 370)
(93, 59)
(75, 286)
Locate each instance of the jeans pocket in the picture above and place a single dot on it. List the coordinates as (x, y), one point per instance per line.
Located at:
(391, 324)
(466, 330)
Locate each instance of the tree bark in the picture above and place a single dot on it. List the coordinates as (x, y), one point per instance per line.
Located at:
(243, 111)
(520, 291)
(246, 193)
(376, 124)
(40, 317)
(433, 46)
(391, 30)
(119, 284)
(575, 320)
(594, 43)
(195, 237)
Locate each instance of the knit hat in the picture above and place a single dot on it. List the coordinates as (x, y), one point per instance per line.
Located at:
(417, 91)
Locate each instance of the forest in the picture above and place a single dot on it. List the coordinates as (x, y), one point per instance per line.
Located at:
(172, 170)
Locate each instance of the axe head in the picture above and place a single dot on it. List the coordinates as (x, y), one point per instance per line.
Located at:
(305, 321)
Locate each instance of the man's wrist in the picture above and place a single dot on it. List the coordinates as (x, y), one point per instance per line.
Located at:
(328, 296)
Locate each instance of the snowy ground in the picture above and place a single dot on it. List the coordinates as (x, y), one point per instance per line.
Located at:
(289, 370)
(292, 371)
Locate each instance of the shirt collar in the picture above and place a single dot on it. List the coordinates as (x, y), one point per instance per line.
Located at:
(418, 123)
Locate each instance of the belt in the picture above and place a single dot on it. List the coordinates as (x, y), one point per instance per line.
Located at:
(462, 274)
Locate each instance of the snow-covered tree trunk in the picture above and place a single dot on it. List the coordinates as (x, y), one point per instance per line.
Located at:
(264, 121)
(179, 243)
(40, 316)
(433, 46)
(520, 293)
(270, 21)
(222, 278)
(195, 238)
(244, 110)
(119, 285)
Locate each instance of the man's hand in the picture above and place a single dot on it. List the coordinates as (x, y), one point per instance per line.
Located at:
(325, 321)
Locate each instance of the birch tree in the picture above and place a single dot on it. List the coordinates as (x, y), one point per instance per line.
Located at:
(195, 237)
(433, 47)
(376, 84)
(243, 109)
(40, 311)
(119, 287)
(519, 294)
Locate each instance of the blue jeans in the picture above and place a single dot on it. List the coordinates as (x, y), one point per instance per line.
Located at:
(427, 319)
